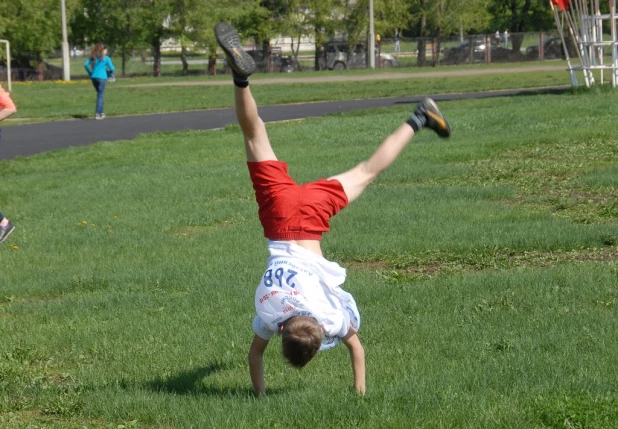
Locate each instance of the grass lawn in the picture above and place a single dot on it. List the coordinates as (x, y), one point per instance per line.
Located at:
(171, 67)
(485, 270)
(38, 101)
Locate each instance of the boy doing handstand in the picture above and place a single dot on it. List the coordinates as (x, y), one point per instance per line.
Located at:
(300, 293)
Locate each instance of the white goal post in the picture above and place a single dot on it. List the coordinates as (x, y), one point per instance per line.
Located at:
(8, 62)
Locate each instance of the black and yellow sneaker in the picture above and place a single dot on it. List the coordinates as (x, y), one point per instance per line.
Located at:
(241, 62)
(427, 115)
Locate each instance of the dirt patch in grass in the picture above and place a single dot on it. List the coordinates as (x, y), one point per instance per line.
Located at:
(366, 265)
(428, 265)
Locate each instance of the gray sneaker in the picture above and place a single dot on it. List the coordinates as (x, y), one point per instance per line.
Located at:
(5, 231)
(240, 61)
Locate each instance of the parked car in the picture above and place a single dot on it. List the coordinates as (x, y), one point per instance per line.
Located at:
(461, 53)
(339, 56)
(289, 64)
(280, 63)
(552, 49)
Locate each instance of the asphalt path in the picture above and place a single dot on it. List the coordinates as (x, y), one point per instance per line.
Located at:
(29, 139)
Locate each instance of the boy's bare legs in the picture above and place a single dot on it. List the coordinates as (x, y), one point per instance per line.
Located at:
(356, 180)
(257, 145)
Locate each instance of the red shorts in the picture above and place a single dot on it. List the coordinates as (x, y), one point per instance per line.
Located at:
(289, 211)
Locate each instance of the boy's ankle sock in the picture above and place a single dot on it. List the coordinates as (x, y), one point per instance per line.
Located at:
(239, 81)
(417, 121)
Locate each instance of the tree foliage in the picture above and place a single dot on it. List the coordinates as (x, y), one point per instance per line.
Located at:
(521, 15)
(33, 26)
(113, 22)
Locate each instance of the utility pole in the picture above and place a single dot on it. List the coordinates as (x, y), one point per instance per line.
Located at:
(66, 66)
(371, 42)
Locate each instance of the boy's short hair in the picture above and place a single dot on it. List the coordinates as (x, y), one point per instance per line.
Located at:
(301, 339)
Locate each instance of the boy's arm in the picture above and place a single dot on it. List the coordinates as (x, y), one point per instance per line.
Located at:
(7, 107)
(256, 364)
(357, 354)
(5, 113)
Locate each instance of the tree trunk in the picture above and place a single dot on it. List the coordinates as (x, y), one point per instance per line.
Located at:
(183, 59)
(124, 61)
(517, 39)
(436, 44)
(39, 69)
(128, 32)
(421, 46)
(521, 27)
(267, 55)
(156, 55)
(518, 23)
(295, 51)
(212, 64)
(318, 49)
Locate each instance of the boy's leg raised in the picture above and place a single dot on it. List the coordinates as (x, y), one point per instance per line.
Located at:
(426, 115)
(257, 144)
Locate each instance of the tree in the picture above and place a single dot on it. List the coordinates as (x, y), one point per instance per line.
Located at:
(474, 15)
(179, 26)
(519, 16)
(291, 18)
(202, 16)
(390, 15)
(297, 18)
(112, 22)
(296, 23)
(153, 23)
(32, 27)
(441, 18)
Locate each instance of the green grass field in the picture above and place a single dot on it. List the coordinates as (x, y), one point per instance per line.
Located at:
(37, 101)
(485, 270)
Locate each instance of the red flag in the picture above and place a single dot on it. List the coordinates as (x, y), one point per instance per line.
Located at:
(562, 4)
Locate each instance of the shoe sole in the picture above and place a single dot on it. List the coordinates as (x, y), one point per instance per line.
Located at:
(444, 129)
(7, 234)
(238, 59)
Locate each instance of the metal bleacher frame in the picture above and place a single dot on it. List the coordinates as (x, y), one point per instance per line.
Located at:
(582, 21)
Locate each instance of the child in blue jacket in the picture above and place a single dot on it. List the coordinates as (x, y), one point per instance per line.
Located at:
(97, 66)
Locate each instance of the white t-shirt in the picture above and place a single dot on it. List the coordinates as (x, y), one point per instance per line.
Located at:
(298, 282)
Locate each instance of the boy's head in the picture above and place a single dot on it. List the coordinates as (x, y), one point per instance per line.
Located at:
(301, 338)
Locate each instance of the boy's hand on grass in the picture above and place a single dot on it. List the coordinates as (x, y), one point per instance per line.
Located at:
(360, 390)
(357, 356)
